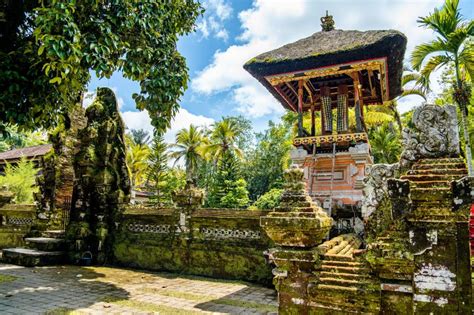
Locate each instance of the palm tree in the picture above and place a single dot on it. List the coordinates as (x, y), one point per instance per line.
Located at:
(137, 161)
(407, 78)
(188, 146)
(453, 45)
(223, 140)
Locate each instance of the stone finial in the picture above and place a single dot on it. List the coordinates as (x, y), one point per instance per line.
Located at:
(327, 22)
(189, 197)
(6, 196)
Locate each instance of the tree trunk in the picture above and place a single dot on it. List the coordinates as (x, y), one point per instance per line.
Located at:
(467, 142)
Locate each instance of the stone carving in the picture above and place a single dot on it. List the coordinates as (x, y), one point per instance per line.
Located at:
(298, 221)
(19, 221)
(189, 197)
(57, 177)
(102, 184)
(149, 228)
(435, 134)
(216, 233)
(375, 186)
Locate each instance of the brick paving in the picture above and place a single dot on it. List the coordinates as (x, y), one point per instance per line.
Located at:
(105, 290)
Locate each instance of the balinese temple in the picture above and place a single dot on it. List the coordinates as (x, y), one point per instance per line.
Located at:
(331, 78)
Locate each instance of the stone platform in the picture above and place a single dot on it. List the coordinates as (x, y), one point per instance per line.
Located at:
(104, 290)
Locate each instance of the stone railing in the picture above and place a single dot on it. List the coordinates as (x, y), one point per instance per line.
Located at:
(224, 243)
(15, 223)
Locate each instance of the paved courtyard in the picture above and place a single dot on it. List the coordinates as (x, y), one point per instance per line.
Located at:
(106, 290)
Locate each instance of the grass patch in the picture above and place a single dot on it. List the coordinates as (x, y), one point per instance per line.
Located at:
(63, 311)
(7, 278)
(212, 299)
(147, 307)
(247, 304)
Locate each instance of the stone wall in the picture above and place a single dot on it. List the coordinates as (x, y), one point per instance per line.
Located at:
(222, 243)
(15, 223)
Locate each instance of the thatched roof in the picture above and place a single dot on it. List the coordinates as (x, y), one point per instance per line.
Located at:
(331, 48)
(29, 153)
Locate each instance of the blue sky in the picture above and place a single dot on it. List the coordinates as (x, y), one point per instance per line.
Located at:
(231, 32)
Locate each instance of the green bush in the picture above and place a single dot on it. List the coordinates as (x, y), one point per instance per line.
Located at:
(269, 200)
(20, 179)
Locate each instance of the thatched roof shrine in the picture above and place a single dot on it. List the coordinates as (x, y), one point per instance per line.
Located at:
(372, 59)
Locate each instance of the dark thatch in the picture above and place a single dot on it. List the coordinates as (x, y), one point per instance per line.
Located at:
(331, 48)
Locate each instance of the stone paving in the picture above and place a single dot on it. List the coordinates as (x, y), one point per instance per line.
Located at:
(106, 290)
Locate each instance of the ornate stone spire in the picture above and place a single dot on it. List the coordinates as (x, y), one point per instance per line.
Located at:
(327, 22)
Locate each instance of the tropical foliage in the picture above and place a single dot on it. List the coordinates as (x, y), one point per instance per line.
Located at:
(385, 144)
(49, 48)
(189, 147)
(20, 179)
(269, 200)
(452, 46)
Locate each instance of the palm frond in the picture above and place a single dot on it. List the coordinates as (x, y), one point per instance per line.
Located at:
(414, 91)
(410, 77)
(433, 63)
(443, 21)
(422, 51)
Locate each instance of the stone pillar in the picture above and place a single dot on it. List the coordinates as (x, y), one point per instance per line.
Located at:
(296, 228)
(102, 185)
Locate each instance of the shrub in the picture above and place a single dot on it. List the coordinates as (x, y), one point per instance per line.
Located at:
(269, 200)
(20, 179)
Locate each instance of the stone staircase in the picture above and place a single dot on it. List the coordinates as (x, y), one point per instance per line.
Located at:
(430, 186)
(40, 251)
(345, 285)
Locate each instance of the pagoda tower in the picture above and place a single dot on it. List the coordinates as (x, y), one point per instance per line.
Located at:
(332, 77)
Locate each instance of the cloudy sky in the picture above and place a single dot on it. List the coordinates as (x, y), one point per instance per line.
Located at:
(232, 32)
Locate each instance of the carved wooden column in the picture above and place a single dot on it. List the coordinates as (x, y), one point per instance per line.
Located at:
(326, 110)
(342, 113)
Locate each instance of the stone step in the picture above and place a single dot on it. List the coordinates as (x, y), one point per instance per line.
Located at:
(342, 309)
(428, 166)
(432, 184)
(430, 194)
(337, 257)
(343, 275)
(32, 257)
(360, 283)
(45, 243)
(346, 263)
(430, 177)
(344, 269)
(53, 233)
(439, 161)
(446, 172)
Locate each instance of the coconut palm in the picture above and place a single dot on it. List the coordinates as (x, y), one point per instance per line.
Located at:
(453, 45)
(223, 140)
(407, 79)
(188, 146)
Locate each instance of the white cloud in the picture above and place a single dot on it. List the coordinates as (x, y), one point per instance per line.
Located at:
(141, 120)
(269, 24)
(212, 23)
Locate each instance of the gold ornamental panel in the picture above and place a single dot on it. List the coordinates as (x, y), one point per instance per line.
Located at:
(328, 139)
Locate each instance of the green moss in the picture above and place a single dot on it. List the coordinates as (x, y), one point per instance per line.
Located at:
(147, 307)
(7, 278)
(213, 299)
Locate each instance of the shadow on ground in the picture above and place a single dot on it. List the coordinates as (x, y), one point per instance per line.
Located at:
(52, 290)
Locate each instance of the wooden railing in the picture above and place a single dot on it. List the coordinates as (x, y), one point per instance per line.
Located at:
(328, 139)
